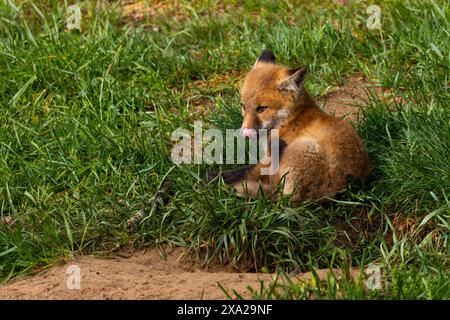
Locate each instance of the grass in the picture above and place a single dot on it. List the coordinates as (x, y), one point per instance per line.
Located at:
(85, 138)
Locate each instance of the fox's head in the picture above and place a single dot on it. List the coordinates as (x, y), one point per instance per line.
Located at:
(271, 94)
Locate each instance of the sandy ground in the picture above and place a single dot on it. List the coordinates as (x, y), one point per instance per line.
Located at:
(345, 101)
(144, 275)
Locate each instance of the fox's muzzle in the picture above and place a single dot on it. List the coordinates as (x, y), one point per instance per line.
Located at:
(249, 133)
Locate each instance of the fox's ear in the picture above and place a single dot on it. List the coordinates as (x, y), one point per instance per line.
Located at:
(266, 56)
(295, 79)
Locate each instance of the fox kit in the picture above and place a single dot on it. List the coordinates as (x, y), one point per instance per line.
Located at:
(318, 152)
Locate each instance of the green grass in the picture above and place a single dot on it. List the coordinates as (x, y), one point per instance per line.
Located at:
(85, 138)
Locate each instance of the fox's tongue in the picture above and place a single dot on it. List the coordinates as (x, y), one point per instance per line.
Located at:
(249, 133)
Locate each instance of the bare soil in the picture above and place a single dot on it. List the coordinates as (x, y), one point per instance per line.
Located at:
(346, 101)
(144, 275)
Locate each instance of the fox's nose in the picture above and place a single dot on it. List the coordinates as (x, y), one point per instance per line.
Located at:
(248, 133)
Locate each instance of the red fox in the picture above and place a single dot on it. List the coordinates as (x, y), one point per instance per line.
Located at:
(318, 152)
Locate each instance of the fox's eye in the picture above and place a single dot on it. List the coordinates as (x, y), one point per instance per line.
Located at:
(260, 109)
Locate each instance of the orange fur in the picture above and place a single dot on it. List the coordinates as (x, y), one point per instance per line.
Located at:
(321, 151)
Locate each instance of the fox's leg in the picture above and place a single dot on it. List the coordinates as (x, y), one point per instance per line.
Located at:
(246, 180)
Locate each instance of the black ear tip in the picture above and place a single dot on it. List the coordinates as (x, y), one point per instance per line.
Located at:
(267, 56)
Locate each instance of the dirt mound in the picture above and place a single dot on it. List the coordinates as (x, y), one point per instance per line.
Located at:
(144, 275)
(346, 100)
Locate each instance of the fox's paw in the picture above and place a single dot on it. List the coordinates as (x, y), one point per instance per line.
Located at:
(210, 176)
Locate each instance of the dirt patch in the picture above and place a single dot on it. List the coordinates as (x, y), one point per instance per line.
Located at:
(144, 275)
(147, 12)
(346, 100)
(140, 11)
